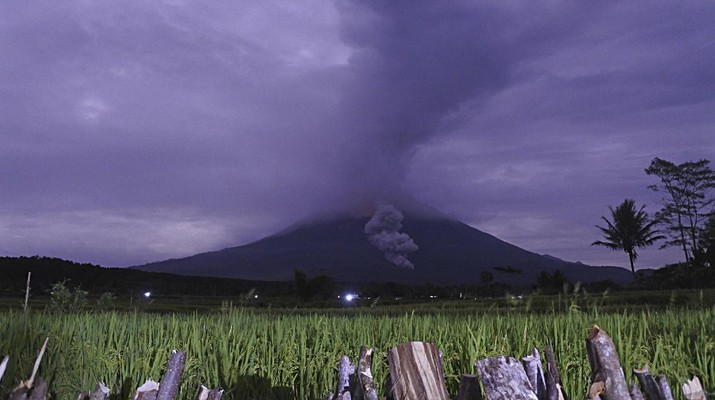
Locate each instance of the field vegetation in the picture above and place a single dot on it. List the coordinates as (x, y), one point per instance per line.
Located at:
(292, 353)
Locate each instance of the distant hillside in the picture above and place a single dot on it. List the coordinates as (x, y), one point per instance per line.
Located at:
(450, 253)
(121, 281)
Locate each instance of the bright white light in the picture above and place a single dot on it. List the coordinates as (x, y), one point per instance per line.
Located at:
(255, 296)
(350, 297)
(147, 294)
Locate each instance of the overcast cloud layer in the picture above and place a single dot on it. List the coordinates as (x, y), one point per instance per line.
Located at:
(134, 131)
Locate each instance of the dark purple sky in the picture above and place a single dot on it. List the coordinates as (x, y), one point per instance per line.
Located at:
(136, 131)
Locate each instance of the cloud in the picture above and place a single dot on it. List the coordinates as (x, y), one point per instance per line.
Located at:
(245, 117)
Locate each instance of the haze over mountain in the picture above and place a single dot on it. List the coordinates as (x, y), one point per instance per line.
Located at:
(449, 253)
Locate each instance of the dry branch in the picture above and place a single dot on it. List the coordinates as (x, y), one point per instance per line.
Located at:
(416, 372)
(504, 378)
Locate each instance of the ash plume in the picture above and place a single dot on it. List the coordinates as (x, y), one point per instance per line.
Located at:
(383, 232)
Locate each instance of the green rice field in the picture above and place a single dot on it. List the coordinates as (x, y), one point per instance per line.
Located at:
(281, 354)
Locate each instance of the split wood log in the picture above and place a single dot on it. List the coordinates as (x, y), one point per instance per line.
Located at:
(364, 386)
(3, 366)
(345, 370)
(100, 392)
(504, 378)
(650, 388)
(170, 382)
(554, 387)
(664, 387)
(605, 366)
(416, 372)
(22, 391)
(693, 389)
(636, 393)
(39, 390)
(469, 388)
(535, 373)
(147, 391)
(209, 394)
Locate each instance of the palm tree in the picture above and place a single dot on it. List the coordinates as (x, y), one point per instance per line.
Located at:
(630, 229)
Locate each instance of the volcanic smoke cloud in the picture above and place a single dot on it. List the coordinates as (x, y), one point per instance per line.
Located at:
(383, 232)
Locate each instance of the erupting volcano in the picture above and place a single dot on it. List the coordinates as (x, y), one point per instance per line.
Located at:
(376, 248)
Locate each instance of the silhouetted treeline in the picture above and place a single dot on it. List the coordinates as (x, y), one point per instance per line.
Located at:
(121, 281)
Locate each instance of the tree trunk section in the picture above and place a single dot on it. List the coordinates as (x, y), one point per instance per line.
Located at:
(605, 366)
(504, 378)
(170, 382)
(416, 372)
(535, 372)
(364, 386)
(650, 388)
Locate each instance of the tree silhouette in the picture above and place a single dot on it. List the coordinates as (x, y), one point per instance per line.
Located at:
(629, 230)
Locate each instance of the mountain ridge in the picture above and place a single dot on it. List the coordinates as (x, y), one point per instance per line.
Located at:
(450, 252)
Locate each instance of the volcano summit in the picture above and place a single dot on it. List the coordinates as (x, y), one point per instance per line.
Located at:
(348, 248)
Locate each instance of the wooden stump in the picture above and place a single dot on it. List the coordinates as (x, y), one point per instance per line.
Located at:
(364, 387)
(605, 366)
(170, 382)
(504, 378)
(693, 389)
(416, 372)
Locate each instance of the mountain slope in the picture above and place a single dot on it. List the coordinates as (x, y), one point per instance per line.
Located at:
(450, 252)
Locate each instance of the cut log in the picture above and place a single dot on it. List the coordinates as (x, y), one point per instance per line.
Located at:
(469, 388)
(416, 372)
(39, 390)
(364, 386)
(3, 366)
(100, 392)
(693, 389)
(664, 387)
(554, 387)
(147, 391)
(209, 394)
(650, 388)
(170, 382)
(345, 370)
(504, 378)
(605, 366)
(535, 373)
(636, 393)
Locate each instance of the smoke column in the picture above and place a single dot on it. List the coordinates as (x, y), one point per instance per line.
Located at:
(383, 232)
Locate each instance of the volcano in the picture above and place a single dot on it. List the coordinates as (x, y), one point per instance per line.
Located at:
(450, 253)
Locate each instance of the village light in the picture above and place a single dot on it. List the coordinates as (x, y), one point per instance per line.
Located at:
(350, 297)
(147, 294)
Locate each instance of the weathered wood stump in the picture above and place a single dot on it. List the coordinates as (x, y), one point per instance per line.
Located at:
(693, 389)
(364, 386)
(504, 378)
(147, 391)
(605, 367)
(416, 372)
(209, 394)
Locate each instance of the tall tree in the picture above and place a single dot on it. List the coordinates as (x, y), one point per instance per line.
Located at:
(629, 230)
(685, 208)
